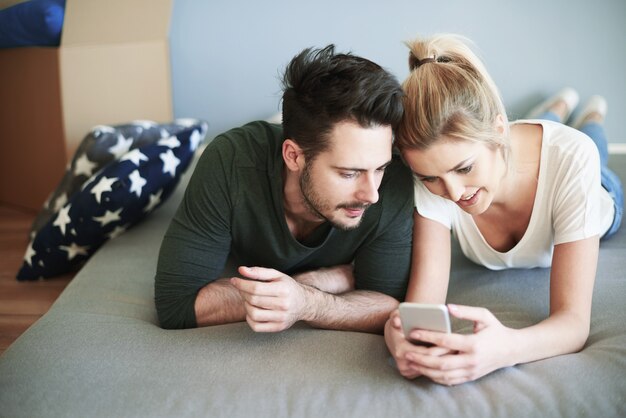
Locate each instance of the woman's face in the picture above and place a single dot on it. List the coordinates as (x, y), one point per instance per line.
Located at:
(466, 172)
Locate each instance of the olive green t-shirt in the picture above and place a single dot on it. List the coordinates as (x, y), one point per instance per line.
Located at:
(233, 207)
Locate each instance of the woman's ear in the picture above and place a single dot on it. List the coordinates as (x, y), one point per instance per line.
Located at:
(293, 155)
(500, 124)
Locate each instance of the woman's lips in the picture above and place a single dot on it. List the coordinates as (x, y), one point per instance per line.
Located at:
(469, 200)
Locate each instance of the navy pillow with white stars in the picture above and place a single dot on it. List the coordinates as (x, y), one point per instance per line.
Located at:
(111, 201)
(102, 145)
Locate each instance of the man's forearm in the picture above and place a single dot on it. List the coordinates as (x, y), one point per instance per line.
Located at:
(358, 310)
(335, 280)
(219, 302)
(351, 310)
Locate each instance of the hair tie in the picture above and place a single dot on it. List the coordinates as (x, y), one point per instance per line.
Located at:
(425, 61)
(415, 62)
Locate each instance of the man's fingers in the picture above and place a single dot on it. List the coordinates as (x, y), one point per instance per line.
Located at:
(259, 273)
(252, 287)
(264, 315)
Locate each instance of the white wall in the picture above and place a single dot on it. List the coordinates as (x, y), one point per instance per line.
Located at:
(227, 55)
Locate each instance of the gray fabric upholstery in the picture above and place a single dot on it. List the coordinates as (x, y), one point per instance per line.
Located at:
(100, 352)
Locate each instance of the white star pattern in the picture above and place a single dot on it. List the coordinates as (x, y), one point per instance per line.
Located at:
(145, 124)
(63, 218)
(84, 166)
(121, 147)
(194, 140)
(135, 156)
(155, 199)
(60, 202)
(117, 231)
(171, 142)
(186, 122)
(170, 162)
(136, 182)
(30, 253)
(108, 217)
(73, 250)
(104, 185)
(101, 129)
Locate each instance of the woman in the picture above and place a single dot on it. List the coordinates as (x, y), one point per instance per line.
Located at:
(534, 193)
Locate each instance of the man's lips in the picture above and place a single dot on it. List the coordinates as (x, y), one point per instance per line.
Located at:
(353, 211)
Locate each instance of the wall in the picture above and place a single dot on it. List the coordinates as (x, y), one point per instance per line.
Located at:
(227, 55)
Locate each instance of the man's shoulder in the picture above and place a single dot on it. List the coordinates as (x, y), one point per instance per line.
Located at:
(245, 145)
(259, 133)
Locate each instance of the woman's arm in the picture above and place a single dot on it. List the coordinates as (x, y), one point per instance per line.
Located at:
(571, 288)
(430, 272)
(430, 262)
(493, 346)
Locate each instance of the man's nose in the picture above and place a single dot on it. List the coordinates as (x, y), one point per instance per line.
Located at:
(368, 189)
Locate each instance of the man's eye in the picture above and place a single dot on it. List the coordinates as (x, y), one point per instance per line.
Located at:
(348, 174)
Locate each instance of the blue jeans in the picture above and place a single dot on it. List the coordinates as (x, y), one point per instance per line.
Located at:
(610, 180)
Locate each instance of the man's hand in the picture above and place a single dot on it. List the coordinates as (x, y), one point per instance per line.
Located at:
(273, 300)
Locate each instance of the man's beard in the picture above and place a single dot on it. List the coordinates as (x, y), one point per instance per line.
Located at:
(317, 205)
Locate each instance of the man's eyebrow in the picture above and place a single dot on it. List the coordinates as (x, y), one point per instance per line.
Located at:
(382, 167)
(456, 167)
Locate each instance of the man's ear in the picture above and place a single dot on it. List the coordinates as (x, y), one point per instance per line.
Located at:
(293, 155)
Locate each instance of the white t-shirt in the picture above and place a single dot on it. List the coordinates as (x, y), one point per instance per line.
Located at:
(570, 204)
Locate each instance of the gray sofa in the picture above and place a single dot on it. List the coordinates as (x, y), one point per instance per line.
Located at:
(100, 352)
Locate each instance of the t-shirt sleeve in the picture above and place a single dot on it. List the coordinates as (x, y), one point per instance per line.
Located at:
(383, 263)
(578, 201)
(432, 206)
(196, 245)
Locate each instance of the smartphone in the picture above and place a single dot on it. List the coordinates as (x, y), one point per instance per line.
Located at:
(430, 317)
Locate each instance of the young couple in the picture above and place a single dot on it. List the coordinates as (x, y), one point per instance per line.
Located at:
(329, 226)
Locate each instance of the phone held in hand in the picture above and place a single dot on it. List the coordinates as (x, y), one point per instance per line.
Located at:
(425, 316)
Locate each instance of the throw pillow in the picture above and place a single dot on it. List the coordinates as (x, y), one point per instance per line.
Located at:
(102, 145)
(111, 201)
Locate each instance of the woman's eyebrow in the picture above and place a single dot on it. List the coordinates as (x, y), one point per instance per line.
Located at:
(456, 167)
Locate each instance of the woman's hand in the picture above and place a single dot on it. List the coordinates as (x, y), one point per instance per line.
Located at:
(401, 349)
(469, 356)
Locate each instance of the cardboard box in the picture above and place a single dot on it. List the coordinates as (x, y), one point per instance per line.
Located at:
(112, 67)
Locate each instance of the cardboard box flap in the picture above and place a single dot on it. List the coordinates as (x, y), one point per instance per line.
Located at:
(94, 22)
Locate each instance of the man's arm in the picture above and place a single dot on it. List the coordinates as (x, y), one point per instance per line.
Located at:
(274, 301)
(220, 302)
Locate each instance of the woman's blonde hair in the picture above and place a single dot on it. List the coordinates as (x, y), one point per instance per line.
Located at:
(449, 93)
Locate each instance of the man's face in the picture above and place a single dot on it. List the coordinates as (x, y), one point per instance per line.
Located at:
(341, 182)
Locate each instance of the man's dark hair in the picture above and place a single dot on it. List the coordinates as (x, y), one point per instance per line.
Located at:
(322, 88)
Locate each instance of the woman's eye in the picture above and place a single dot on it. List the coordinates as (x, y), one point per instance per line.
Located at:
(465, 170)
(428, 179)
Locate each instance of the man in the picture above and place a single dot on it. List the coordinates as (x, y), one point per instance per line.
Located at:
(319, 234)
